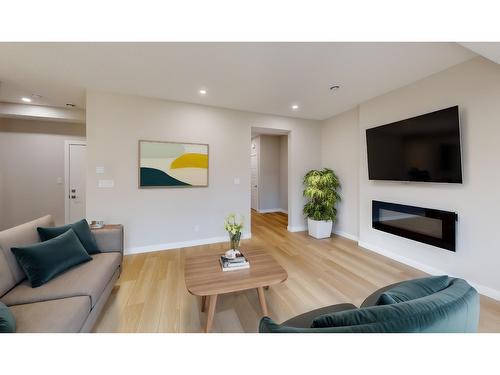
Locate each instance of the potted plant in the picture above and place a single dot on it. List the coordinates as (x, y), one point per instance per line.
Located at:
(321, 191)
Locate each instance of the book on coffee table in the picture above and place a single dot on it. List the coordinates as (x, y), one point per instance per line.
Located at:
(234, 264)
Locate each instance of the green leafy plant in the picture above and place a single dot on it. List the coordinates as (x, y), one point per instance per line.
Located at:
(321, 190)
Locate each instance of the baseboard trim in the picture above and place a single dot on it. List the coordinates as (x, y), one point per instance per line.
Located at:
(180, 245)
(346, 235)
(297, 228)
(485, 290)
(271, 210)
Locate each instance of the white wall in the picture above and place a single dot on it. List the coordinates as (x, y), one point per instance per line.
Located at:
(475, 87)
(161, 218)
(283, 183)
(340, 152)
(31, 161)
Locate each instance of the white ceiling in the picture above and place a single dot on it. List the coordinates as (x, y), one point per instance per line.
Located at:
(257, 77)
(490, 50)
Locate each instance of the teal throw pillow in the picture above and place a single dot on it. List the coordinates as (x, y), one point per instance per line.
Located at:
(7, 321)
(45, 260)
(81, 229)
(413, 289)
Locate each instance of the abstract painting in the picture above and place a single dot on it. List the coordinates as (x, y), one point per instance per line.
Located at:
(171, 164)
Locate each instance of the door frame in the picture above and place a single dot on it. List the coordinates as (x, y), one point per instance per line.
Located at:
(256, 155)
(67, 145)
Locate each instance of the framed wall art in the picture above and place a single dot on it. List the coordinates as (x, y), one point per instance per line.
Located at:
(172, 164)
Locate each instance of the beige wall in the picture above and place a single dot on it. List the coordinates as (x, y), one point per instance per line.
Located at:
(340, 152)
(31, 161)
(283, 173)
(475, 87)
(163, 218)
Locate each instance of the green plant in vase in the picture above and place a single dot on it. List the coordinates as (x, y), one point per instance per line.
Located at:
(321, 191)
(233, 226)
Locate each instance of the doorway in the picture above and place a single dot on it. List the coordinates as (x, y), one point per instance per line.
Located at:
(269, 173)
(74, 188)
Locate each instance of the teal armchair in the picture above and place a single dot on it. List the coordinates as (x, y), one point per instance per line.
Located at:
(432, 304)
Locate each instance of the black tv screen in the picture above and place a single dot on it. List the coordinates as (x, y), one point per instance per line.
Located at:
(422, 148)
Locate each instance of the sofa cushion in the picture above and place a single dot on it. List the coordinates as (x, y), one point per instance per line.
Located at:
(43, 261)
(59, 315)
(22, 235)
(87, 279)
(7, 320)
(413, 289)
(453, 309)
(81, 229)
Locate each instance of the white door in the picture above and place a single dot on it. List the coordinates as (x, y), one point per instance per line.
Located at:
(254, 181)
(76, 181)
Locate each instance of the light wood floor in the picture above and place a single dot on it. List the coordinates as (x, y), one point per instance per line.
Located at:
(151, 295)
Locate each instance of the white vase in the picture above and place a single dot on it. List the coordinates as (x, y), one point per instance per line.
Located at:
(319, 229)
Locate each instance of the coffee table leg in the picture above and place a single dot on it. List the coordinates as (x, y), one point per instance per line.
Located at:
(262, 299)
(203, 299)
(211, 312)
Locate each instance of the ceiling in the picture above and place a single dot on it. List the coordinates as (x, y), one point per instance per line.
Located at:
(490, 50)
(257, 77)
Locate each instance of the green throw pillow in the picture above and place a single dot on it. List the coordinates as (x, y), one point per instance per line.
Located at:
(45, 260)
(7, 321)
(81, 229)
(413, 289)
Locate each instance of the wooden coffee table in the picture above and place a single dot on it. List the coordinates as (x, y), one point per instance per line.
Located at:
(205, 278)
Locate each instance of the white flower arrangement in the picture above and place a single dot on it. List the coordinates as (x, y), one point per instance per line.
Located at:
(234, 224)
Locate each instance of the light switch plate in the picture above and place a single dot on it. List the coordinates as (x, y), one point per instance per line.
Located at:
(236, 180)
(106, 183)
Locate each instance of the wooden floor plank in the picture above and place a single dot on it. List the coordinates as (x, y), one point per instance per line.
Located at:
(151, 294)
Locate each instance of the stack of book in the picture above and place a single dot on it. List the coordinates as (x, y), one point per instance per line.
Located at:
(233, 264)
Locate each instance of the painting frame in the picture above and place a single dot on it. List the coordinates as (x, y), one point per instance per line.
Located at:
(141, 186)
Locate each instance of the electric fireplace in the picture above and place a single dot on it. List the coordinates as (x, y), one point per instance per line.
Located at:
(427, 225)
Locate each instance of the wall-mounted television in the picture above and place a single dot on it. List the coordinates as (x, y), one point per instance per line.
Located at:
(423, 148)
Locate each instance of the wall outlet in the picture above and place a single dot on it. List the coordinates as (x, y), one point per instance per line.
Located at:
(59, 180)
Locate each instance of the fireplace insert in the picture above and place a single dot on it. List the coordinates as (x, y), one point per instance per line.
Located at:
(427, 225)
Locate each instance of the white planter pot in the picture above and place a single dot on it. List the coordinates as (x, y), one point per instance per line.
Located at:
(319, 229)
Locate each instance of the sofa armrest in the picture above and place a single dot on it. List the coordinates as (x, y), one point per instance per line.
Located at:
(109, 238)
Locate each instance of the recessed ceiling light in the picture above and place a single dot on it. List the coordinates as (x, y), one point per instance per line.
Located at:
(203, 92)
(295, 107)
(26, 100)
